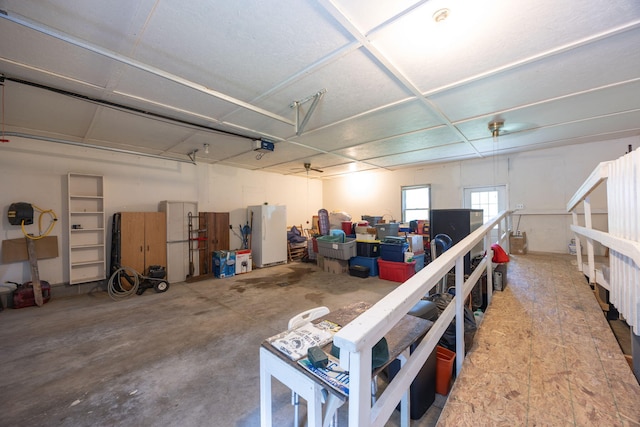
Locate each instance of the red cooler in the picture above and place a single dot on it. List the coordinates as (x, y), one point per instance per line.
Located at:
(347, 227)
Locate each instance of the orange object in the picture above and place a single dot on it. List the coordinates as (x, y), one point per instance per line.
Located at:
(444, 369)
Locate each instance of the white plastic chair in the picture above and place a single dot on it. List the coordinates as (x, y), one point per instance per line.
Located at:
(299, 320)
(307, 316)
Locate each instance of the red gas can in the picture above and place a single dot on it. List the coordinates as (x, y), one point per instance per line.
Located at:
(23, 295)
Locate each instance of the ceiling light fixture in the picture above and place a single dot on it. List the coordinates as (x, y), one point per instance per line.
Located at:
(206, 148)
(441, 14)
(495, 127)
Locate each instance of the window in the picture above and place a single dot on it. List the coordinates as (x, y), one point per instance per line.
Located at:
(487, 201)
(492, 200)
(416, 202)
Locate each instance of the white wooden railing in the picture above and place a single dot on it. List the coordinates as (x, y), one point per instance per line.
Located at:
(358, 337)
(622, 177)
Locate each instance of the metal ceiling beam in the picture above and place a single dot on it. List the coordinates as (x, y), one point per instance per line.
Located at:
(296, 104)
(141, 66)
(191, 160)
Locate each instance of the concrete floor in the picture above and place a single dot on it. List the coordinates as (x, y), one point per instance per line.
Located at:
(186, 357)
(189, 356)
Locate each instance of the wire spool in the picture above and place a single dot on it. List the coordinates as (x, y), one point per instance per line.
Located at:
(123, 283)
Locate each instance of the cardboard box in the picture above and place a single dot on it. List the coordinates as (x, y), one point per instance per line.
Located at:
(518, 243)
(336, 266)
(243, 261)
(416, 243)
(15, 250)
(224, 264)
(423, 227)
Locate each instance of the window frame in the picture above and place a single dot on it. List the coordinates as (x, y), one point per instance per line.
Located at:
(403, 208)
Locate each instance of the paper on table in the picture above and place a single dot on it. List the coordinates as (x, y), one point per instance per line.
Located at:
(332, 374)
(295, 342)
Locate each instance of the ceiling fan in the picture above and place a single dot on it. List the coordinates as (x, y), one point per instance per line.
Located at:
(499, 127)
(307, 167)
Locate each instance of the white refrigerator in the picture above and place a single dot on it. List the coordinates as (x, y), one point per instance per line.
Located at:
(268, 234)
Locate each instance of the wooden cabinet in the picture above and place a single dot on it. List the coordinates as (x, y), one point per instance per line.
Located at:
(143, 240)
(212, 235)
(87, 262)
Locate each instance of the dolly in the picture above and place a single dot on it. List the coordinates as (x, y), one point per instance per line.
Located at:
(125, 281)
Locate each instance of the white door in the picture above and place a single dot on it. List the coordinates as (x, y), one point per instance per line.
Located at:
(492, 200)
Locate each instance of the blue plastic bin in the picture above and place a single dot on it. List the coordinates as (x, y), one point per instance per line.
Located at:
(419, 259)
(371, 262)
(393, 252)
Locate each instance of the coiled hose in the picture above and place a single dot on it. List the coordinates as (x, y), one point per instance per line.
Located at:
(53, 216)
(120, 276)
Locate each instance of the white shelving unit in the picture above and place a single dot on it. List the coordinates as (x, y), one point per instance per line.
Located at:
(87, 257)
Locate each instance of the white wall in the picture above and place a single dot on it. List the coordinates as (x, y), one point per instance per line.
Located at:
(542, 180)
(36, 172)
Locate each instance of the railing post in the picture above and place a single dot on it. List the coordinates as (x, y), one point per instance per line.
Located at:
(590, 256)
(487, 245)
(576, 237)
(360, 387)
(459, 271)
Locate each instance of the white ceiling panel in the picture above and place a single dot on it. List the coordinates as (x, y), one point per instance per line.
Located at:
(230, 45)
(52, 113)
(611, 100)
(396, 119)
(139, 89)
(600, 129)
(52, 55)
(283, 152)
(482, 36)
(132, 130)
(111, 24)
(611, 60)
(155, 77)
(365, 17)
(401, 144)
(443, 153)
(356, 73)
(221, 147)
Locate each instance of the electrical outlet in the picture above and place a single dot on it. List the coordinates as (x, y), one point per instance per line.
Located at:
(519, 205)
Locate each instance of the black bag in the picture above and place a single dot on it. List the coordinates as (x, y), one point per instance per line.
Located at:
(448, 339)
(295, 236)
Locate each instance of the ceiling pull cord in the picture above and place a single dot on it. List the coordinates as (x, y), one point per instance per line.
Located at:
(2, 139)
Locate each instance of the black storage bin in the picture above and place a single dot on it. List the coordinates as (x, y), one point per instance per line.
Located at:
(368, 249)
(458, 224)
(423, 388)
(359, 271)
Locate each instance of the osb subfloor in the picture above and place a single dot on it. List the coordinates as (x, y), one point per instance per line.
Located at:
(544, 356)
